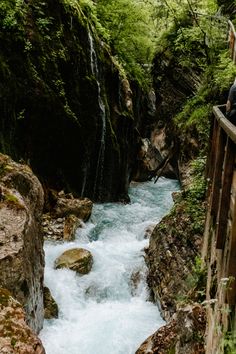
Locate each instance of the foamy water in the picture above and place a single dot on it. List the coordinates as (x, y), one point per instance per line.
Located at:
(107, 311)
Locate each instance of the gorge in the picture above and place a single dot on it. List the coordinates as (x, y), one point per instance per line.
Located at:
(98, 101)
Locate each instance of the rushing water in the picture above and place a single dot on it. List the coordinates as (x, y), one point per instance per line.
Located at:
(107, 311)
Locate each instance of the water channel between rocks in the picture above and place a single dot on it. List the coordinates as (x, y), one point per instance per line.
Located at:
(107, 311)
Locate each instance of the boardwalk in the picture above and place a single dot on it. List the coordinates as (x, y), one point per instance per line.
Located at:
(219, 249)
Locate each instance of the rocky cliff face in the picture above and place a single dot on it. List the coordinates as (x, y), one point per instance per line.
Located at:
(15, 336)
(66, 107)
(176, 277)
(21, 251)
(174, 83)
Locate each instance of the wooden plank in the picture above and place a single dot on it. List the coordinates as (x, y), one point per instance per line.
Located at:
(226, 125)
(212, 149)
(232, 205)
(217, 179)
(231, 290)
(222, 217)
(233, 195)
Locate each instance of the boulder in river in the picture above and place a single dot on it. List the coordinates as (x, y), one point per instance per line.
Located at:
(81, 208)
(77, 259)
(50, 305)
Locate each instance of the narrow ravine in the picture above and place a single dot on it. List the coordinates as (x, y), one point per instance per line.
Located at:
(107, 311)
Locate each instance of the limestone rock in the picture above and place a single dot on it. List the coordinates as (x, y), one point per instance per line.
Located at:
(170, 257)
(50, 305)
(60, 228)
(184, 334)
(81, 208)
(15, 336)
(77, 259)
(53, 228)
(71, 224)
(21, 239)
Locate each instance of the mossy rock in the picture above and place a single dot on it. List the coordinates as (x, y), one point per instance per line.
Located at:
(77, 259)
(5, 295)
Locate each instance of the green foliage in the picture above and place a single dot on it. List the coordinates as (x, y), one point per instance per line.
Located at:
(130, 33)
(192, 32)
(224, 72)
(171, 12)
(195, 118)
(195, 283)
(11, 15)
(197, 280)
(190, 204)
(195, 196)
(229, 342)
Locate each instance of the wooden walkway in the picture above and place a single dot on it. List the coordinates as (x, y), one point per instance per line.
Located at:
(219, 248)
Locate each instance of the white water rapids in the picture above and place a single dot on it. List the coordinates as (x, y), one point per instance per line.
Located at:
(107, 311)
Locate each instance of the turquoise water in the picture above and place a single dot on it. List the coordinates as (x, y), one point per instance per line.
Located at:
(107, 311)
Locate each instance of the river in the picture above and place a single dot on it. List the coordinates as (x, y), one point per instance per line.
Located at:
(108, 311)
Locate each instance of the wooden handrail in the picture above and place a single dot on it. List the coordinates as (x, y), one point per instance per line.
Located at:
(225, 124)
(231, 27)
(232, 41)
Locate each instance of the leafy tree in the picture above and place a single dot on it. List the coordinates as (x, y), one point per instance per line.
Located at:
(131, 33)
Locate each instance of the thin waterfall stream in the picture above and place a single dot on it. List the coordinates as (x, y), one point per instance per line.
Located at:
(102, 115)
(108, 310)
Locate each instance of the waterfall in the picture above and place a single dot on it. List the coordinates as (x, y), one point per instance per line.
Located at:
(102, 114)
(108, 310)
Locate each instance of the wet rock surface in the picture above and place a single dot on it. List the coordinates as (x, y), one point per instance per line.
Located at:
(65, 216)
(170, 258)
(65, 205)
(15, 336)
(21, 239)
(176, 279)
(60, 229)
(50, 305)
(184, 334)
(77, 259)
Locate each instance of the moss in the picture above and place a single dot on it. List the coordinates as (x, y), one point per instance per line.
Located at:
(51, 114)
(171, 350)
(5, 295)
(11, 201)
(13, 342)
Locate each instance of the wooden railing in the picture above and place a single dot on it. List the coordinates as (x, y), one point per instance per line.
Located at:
(232, 41)
(219, 249)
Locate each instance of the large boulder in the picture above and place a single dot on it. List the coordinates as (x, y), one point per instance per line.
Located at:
(77, 259)
(184, 334)
(81, 208)
(21, 239)
(15, 336)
